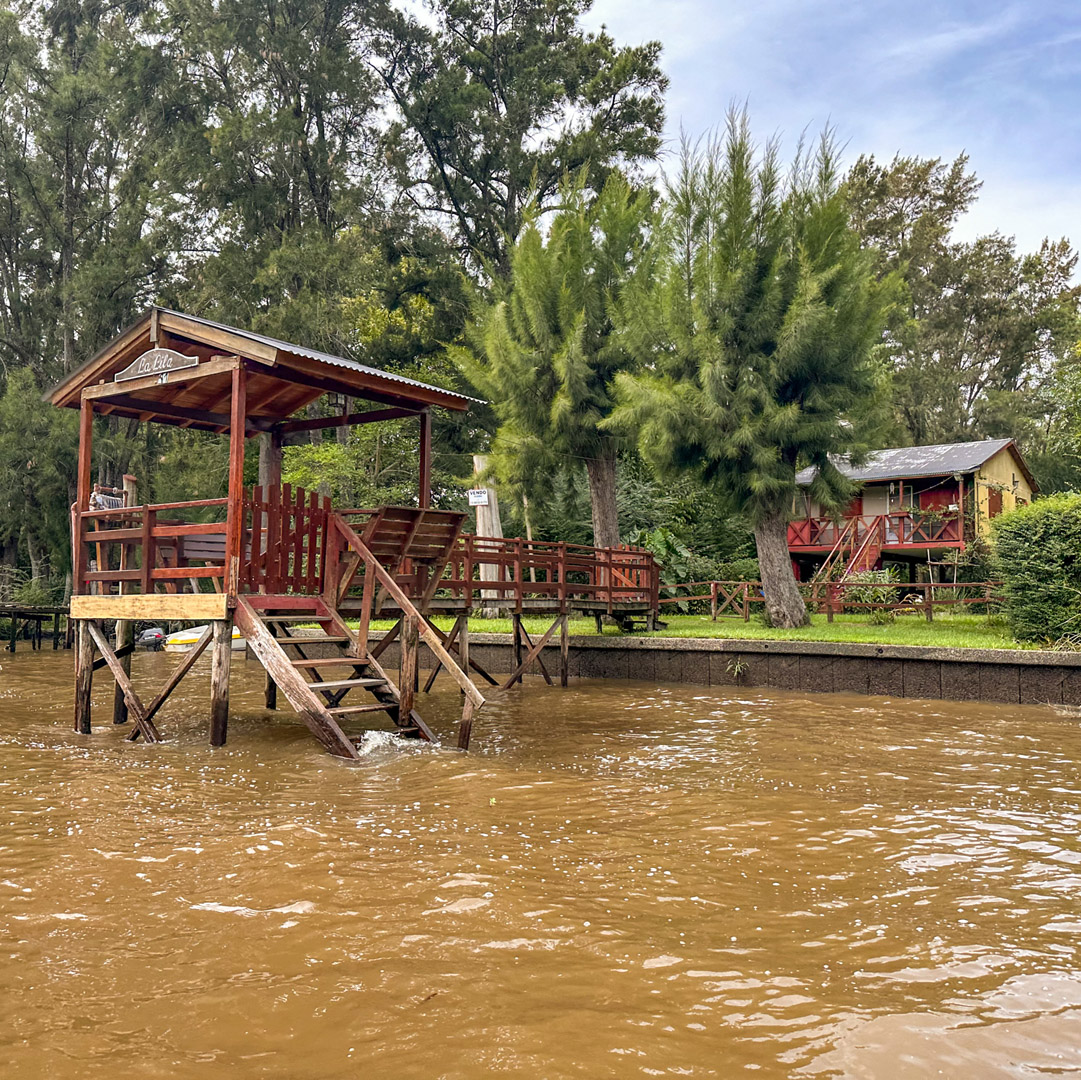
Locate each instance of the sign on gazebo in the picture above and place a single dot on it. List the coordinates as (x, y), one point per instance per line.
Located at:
(156, 362)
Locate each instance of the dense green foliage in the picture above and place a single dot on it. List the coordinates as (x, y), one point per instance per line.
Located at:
(369, 178)
(1038, 555)
(756, 334)
(546, 353)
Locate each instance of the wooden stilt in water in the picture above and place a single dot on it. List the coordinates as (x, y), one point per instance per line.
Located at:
(84, 676)
(516, 623)
(56, 631)
(533, 654)
(135, 706)
(463, 645)
(564, 649)
(221, 647)
(270, 687)
(125, 637)
(465, 728)
(407, 680)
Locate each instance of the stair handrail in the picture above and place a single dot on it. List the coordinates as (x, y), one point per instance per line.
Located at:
(870, 537)
(407, 607)
(835, 552)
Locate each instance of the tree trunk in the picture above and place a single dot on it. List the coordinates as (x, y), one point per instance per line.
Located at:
(602, 499)
(785, 608)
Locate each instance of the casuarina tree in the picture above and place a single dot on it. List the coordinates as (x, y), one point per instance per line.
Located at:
(545, 352)
(756, 337)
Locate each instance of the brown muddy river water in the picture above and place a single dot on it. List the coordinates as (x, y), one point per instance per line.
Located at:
(622, 880)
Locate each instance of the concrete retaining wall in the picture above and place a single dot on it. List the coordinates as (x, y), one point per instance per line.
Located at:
(1018, 677)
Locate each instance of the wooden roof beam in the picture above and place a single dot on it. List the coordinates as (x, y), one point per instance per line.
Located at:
(353, 390)
(148, 410)
(219, 365)
(349, 420)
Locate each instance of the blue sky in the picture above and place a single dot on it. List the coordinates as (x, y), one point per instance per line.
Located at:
(1001, 81)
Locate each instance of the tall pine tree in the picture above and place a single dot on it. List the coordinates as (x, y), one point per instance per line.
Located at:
(757, 340)
(546, 351)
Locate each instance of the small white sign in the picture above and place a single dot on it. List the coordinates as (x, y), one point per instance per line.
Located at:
(478, 496)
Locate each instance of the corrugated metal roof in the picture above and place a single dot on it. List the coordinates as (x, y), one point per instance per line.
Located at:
(315, 354)
(902, 462)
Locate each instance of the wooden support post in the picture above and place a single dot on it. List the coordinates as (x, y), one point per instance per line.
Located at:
(564, 649)
(84, 675)
(537, 653)
(56, 630)
(463, 644)
(533, 654)
(425, 496)
(407, 670)
(928, 602)
(465, 728)
(234, 529)
(713, 600)
(437, 666)
(220, 657)
(516, 623)
(13, 632)
(597, 622)
(270, 687)
(135, 706)
(125, 637)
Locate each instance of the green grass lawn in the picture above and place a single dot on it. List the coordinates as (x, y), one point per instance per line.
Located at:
(957, 631)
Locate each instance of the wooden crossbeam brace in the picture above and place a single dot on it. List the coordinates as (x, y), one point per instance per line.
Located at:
(120, 653)
(135, 706)
(449, 643)
(173, 681)
(491, 680)
(349, 420)
(533, 654)
(540, 659)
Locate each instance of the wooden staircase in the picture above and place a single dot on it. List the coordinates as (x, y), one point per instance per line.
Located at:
(318, 685)
(332, 677)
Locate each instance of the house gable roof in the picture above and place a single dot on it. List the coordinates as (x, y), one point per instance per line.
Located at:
(911, 462)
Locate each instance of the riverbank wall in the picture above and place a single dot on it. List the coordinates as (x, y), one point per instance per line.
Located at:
(1011, 676)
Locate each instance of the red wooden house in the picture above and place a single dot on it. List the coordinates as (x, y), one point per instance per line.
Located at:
(916, 503)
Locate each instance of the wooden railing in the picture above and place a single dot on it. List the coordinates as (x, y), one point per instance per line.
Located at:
(737, 598)
(134, 549)
(517, 571)
(286, 538)
(286, 546)
(902, 528)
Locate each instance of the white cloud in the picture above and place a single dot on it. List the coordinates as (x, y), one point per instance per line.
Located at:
(1000, 80)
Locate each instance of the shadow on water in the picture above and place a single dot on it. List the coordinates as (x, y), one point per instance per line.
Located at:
(622, 880)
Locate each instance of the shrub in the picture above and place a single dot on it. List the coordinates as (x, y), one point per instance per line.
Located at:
(871, 587)
(1038, 555)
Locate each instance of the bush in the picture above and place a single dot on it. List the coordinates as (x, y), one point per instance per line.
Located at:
(1038, 556)
(871, 587)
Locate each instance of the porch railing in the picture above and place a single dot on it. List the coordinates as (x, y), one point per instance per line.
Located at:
(905, 527)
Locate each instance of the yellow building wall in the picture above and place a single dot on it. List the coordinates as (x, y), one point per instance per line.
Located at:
(999, 472)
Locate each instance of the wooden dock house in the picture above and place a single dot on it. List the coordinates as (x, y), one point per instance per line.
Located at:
(274, 556)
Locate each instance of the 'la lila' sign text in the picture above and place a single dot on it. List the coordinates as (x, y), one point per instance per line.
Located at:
(156, 362)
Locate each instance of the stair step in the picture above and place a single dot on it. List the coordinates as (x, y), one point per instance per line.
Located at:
(390, 706)
(311, 616)
(341, 684)
(332, 661)
(329, 639)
